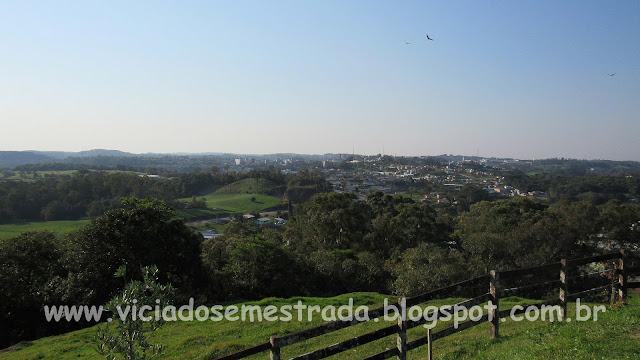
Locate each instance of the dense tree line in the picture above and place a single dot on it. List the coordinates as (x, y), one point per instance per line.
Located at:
(574, 167)
(335, 244)
(597, 189)
(79, 196)
(393, 245)
(89, 194)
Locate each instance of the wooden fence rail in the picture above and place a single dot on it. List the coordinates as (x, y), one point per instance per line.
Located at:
(568, 277)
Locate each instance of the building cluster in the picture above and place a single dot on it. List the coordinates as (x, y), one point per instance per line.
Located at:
(369, 174)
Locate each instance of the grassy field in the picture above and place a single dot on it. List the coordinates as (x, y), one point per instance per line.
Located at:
(241, 203)
(615, 335)
(247, 186)
(57, 227)
(236, 198)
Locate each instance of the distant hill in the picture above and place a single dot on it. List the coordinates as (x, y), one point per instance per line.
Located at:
(101, 152)
(11, 159)
(85, 153)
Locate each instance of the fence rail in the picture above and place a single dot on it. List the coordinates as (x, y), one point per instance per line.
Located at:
(566, 269)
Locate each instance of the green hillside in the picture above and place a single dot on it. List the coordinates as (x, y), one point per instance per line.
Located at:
(248, 186)
(242, 203)
(244, 196)
(614, 336)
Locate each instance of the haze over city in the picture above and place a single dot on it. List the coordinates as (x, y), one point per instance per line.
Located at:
(508, 79)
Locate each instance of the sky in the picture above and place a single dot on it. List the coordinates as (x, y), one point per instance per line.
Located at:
(521, 79)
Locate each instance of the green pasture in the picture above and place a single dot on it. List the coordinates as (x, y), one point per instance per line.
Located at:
(615, 335)
(57, 227)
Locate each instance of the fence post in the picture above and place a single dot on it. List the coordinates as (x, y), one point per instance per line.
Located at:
(622, 278)
(564, 288)
(614, 285)
(429, 345)
(274, 352)
(402, 329)
(494, 289)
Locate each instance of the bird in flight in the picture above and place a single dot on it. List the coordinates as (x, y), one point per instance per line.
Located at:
(612, 74)
(407, 43)
(428, 38)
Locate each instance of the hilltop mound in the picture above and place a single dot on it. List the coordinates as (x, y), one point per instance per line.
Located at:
(252, 186)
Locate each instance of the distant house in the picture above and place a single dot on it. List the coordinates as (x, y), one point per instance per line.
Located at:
(248, 216)
(209, 234)
(280, 221)
(155, 177)
(443, 200)
(263, 221)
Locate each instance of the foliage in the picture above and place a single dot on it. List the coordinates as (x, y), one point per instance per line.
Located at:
(142, 233)
(67, 197)
(258, 267)
(597, 189)
(400, 223)
(521, 233)
(28, 265)
(331, 221)
(128, 338)
(428, 267)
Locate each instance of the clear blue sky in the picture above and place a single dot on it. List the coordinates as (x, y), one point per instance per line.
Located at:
(501, 78)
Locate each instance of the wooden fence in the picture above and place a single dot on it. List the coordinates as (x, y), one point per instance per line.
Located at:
(625, 265)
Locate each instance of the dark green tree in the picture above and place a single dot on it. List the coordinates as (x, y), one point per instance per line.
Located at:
(28, 265)
(142, 233)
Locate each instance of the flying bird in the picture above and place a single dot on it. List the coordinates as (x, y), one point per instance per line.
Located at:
(407, 43)
(428, 38)
(612, 74)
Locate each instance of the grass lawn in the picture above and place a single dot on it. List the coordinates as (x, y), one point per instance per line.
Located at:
(615, 335)
(238, 203)
(247, 186)
(235, 198)
(242, 203)
(57, 227)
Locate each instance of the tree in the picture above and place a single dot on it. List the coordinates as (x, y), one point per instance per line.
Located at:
(127, 338)
(142, 233)
(28, 265)
(331, 221)
(259, 268)
(621, 222)
(400, 223)
(514, 233)
(428, 267)
(469, 195)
